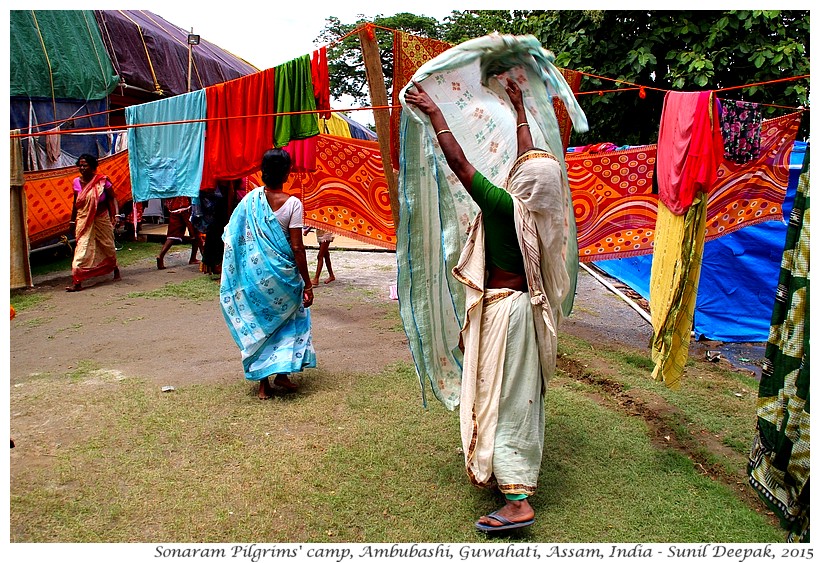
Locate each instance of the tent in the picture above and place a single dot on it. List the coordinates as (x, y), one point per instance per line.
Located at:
(82, 64)
(738, 277)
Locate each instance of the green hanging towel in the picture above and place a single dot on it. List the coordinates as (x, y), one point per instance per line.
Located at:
(294, 92)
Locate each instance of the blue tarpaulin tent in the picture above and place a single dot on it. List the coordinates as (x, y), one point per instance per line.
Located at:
(738, 278)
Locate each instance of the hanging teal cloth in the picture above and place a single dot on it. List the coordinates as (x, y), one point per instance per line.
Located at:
(166, 160)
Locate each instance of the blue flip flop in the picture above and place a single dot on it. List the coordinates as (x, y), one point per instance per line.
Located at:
(505, 524)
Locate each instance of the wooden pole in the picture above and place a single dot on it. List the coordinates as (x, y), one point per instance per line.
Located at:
(378, 97)
(20, 268)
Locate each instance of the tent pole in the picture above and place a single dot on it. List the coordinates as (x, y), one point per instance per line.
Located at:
(378, 97)
(644, 315)
(190, 53)
(20, 265)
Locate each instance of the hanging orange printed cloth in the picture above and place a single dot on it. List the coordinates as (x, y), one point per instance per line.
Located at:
(616, 211)
(573, 79)
(234, 143)
(347, 194)
(409, 53)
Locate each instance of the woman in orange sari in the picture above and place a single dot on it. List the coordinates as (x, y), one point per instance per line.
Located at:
(93, 216)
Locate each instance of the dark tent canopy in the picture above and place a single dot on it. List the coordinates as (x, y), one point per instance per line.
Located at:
(151, 54)
(71, 68)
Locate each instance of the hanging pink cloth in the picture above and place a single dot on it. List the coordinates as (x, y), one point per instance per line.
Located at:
(234, 146)
(302, 154)
(690, 148)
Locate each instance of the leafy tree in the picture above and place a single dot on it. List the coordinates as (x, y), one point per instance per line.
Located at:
(345, 63)
(675, 50)
(461, 26)
(660, 50)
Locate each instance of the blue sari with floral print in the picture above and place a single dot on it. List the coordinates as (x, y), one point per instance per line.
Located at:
(261, 293)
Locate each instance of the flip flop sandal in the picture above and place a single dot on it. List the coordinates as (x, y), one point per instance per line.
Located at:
(505, 524)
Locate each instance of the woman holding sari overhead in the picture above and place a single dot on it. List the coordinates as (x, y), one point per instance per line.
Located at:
(265, 290)
(93, 216)
(514, 272)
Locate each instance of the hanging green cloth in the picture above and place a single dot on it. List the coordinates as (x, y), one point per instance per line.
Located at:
(294, 93)
(779, 462)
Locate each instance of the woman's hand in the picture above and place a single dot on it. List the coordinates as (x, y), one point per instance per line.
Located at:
(307, 299)
(515, 94)
(421, 100)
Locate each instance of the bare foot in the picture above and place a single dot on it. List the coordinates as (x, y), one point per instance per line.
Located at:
(282, 380)
(75, 287)
(265, 390)
(515, 511)
(160, 264)
(193, 261)
(330, 279)
(117, 276)
(314, 282)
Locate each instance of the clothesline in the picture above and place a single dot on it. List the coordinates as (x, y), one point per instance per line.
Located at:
(188, 121)
(642, 89)
(370, 27)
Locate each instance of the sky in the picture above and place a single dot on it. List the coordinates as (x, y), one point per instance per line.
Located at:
(266, 38)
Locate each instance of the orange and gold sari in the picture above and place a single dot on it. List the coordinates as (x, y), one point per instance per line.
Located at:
(94, 254)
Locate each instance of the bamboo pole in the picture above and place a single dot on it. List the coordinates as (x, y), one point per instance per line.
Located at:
(378, 98)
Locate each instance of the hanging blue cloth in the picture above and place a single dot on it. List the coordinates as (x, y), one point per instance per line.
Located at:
(261, 293)
(166, 160)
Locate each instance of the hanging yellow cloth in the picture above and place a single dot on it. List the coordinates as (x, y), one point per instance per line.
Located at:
(673, 287)
(335, 126)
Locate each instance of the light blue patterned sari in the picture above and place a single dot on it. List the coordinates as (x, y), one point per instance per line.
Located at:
(261, 293)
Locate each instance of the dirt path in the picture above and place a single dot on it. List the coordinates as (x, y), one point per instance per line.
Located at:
(177, 341)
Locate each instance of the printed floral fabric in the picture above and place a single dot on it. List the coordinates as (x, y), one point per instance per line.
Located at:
(740, 124)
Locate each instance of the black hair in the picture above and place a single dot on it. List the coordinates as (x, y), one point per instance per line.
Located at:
(275, 167)
(89, 159)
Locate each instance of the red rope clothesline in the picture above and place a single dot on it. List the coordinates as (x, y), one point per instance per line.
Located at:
(370, 27)
(642, 89)
(187, 121)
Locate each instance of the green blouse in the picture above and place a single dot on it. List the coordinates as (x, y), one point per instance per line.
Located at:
(500, 239)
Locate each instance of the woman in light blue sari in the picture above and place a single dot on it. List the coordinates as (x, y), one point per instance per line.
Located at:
(265, 289)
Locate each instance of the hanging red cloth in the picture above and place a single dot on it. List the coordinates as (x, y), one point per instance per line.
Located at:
(234, 146)
(321, 81)
(690, 148)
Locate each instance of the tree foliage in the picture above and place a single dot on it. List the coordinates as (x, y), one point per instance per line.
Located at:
(675, 50)
(345, 63)
(660, 50)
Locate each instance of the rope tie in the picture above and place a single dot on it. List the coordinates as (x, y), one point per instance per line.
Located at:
(157, 87)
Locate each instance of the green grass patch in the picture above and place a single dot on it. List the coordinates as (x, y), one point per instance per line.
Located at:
(351, 457)
(200, 288)
(716, 399)
(26, 299)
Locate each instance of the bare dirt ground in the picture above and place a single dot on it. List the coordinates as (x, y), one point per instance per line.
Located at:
(175, 341)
